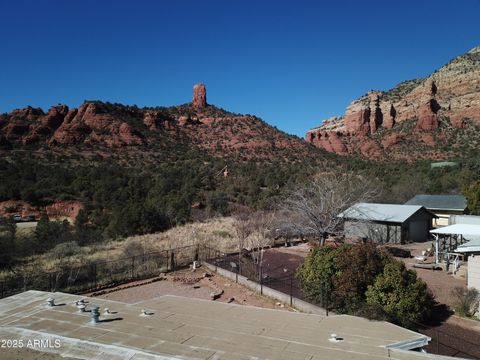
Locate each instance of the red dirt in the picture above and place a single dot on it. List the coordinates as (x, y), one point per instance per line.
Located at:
(193, 284)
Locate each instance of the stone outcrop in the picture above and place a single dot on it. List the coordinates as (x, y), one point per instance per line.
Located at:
(155, 120)
(199, 100)
(329, 140)
(451, 94)
(157, 133)
(391, 140)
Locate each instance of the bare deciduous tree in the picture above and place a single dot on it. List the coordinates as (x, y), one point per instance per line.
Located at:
(313, 209)
(252, 233)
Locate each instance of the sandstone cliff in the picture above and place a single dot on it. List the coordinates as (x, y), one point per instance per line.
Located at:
(409, 120)
(98, 127)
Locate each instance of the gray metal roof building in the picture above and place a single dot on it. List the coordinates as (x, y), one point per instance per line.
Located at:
(388, 223)
(455, 203)
(380, 212)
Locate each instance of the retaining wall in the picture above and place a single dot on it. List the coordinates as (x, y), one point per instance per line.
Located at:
(296, 303)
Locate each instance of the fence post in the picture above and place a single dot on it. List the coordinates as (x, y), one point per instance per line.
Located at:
(49, 282)
(291, 289)
(172, 261)
(133, 265)
(438, 343)
(261, 280)
(94, 275)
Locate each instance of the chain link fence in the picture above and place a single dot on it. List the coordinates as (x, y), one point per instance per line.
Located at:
(102, 274)
(444, 341)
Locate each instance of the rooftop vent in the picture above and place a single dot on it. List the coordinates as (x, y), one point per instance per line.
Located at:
(95, 314)
(334, 338)
(51, 302)
(146, 313)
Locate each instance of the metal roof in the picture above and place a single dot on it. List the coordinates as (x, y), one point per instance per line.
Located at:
(470, 246)
(440, 202)
(381, 212)
(470, 232)
(458, 229)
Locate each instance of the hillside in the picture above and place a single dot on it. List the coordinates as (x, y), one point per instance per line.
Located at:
(149, 135)
(436, 117)
(136, 170)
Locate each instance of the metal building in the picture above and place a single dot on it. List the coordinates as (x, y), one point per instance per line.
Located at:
(388, 223)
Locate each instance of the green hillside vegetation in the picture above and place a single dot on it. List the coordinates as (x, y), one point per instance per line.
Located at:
(123, 200)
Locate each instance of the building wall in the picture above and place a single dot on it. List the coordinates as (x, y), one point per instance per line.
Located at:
(443, 220)
(418, 226)
(378, 232)
(444, 217)
(473, 275)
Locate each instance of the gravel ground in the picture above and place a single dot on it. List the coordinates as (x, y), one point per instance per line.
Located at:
(439, 282)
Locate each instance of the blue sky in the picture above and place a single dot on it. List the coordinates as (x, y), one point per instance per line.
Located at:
(293, 63)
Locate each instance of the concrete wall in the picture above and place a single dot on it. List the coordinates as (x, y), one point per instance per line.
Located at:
(473, 275)
(298, 304)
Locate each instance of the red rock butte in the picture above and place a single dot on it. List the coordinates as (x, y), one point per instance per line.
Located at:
(375, 123)
(199, 99)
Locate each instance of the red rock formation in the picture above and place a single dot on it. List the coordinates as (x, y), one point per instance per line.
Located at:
(96, 126)
(128, 136)
(391, 140)
(358, 122)
(371, 149)
(56, 210)
(47, 124)
(389, 114)
(28, 114)
(329, 140)
(427, 116)
(199, 100)
(428, 139)
(92, 124)
(376, 115)
(154, 120)
(60, 209)
(452, 92)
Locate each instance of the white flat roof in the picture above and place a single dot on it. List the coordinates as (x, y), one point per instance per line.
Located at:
(458, 229)
(184, 328)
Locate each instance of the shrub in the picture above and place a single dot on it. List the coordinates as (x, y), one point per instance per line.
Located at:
(400, 294)
(364, 281)
(317, 272)
(133, 248)
(467, 301)
(358, 266)
(64, 250)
